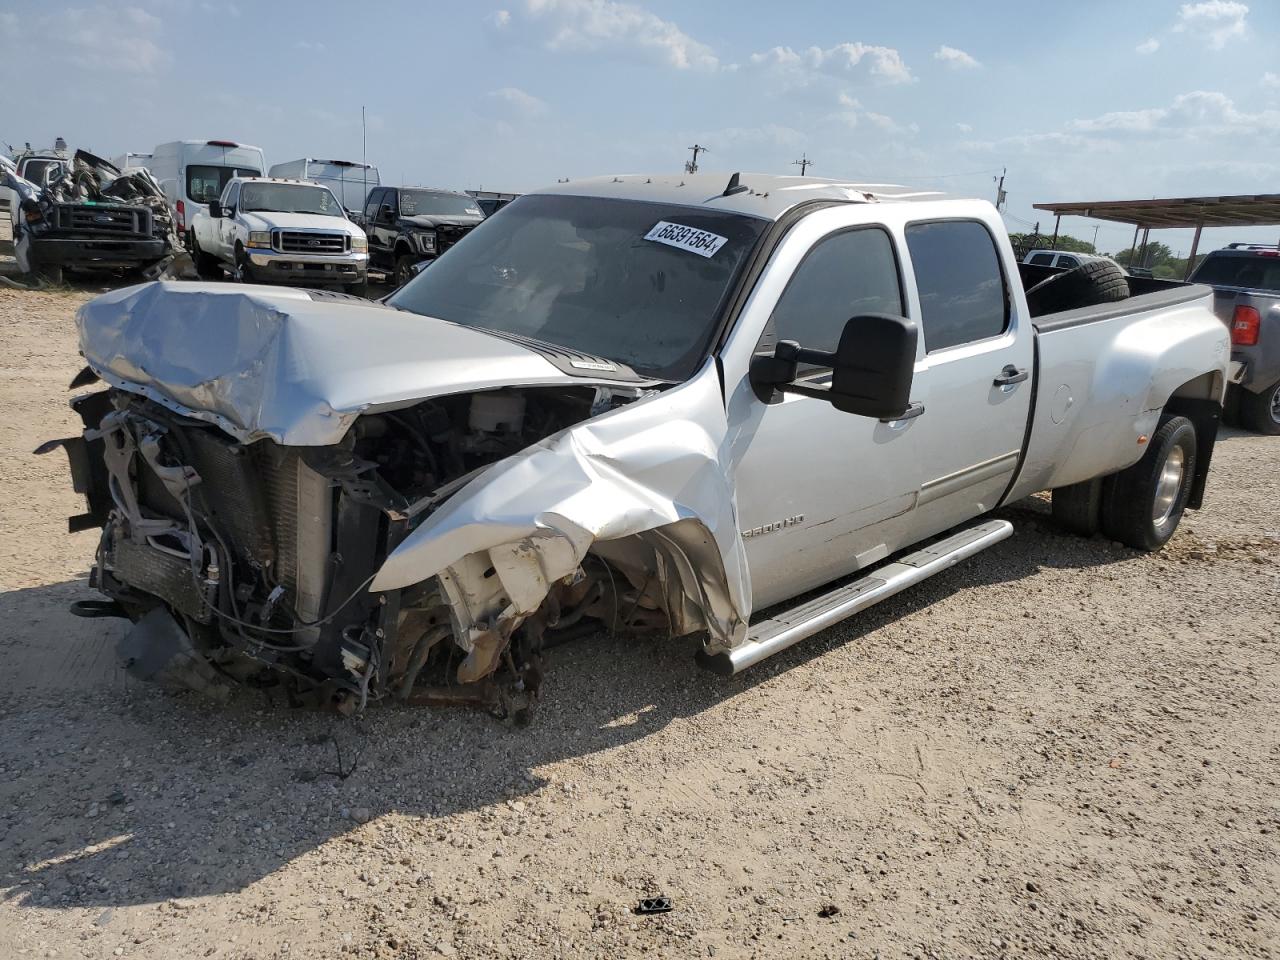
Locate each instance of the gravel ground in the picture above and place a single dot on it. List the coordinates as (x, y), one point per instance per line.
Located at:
(1059, 748)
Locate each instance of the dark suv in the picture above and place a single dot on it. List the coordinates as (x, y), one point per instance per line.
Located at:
(407, 225)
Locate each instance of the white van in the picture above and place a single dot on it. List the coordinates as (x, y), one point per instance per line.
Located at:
(349, 181)
(132, 161)
(193, 172)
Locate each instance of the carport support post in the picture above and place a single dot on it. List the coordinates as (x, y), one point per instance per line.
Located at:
(1195, 244)
(1142, 254)
(1056, 224)
(1133, 247)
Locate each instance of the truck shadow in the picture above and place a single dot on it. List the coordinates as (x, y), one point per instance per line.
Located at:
(115, 793)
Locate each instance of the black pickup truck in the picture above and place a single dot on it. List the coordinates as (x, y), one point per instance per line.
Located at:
(409, 225)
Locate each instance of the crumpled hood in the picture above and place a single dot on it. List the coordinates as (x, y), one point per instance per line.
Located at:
(273, 362)
(425, 220)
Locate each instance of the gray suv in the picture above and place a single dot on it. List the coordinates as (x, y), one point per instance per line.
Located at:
(1246, 286)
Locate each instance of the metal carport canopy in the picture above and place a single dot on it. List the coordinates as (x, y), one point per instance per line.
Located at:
(1199, 212)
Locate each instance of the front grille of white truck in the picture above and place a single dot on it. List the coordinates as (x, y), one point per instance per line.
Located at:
(300, 241)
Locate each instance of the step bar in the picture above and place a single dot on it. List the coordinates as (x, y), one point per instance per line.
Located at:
(812, 616)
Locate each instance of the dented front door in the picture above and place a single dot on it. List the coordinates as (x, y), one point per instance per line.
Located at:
(820, 493)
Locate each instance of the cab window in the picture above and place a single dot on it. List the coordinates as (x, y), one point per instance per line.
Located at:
(845, 275)
(961, 286)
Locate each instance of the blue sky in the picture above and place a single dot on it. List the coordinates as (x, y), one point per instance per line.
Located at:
(1079, 101)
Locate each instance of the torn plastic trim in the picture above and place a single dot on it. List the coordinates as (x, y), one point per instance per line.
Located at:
(648, 473)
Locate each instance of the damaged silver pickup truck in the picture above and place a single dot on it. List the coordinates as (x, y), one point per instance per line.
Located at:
(669, 405)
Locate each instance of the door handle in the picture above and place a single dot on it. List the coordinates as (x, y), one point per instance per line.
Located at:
(913, 410)
(1010, 375)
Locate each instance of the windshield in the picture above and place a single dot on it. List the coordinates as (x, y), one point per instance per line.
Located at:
(432, 204)
(289, 198)
(1252, 272)
(644, 284)
(206, 182)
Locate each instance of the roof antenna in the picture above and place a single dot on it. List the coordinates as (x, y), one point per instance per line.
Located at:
(734, 187)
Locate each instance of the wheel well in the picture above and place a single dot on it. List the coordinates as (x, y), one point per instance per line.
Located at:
(1200, 401)
(402, 248)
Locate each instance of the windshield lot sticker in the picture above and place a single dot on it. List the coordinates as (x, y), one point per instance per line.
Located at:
(701, 242)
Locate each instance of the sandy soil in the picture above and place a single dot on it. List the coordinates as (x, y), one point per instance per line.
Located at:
(1059, 748)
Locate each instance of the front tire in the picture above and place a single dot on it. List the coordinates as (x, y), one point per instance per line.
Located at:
(1142, 505)
(243, 271)
(404, 269)
(1260, 412)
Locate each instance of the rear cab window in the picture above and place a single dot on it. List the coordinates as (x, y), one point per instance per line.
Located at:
(1248, 271)
(1042, 260)
(962, 289)
(206, 182)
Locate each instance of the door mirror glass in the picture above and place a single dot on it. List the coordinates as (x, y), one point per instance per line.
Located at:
(215, 209)
(871, 368)
(384, 212)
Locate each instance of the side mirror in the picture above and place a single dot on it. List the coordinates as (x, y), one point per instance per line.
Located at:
(871, 369)
(215, 209)
(384, 212)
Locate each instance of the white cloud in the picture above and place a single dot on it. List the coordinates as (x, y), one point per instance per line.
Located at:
(883, 65)
(604, 25)
(852, 114)
(1150, 45)
(1198, 114)
(766, 135)
(1219, 20)
(312, 46)
(524, 104)
(955, 59)
(105, 38)
(964, 128)
(1270, 80)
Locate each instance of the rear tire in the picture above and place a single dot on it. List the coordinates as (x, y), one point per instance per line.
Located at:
(1141, 505)
(1260, 412)
(1091, 283)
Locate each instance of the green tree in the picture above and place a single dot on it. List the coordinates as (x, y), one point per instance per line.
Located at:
(1022, 242)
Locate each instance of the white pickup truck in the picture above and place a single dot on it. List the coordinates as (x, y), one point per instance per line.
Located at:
(270, 230)
(739, 407)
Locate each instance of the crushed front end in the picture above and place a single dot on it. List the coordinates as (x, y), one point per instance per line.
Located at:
(346, 502)
(252, 562)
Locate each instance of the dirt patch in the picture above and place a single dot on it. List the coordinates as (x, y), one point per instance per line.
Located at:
(1059, 748)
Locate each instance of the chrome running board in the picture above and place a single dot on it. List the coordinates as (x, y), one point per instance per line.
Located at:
(780, 631)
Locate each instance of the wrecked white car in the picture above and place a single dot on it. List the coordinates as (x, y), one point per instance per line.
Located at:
(627, 404)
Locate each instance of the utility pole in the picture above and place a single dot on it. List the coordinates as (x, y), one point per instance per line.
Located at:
(691, 166)
(1000, 194)
(804, 163)
(364, 160)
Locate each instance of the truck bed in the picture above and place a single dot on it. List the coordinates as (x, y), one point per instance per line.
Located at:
(1100, 373)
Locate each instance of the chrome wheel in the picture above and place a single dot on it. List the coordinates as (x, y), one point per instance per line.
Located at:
(1275, 404)
(1168, 485)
